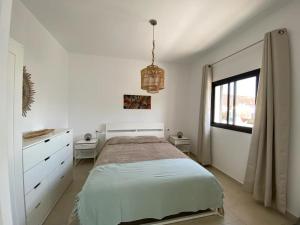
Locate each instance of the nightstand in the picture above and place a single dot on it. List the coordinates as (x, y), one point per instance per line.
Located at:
(183, 144)
(86, 150)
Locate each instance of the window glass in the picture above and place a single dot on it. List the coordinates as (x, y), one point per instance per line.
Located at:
(221, 98)
(245, 102)
(240, 90)
(231, 103)
(217, 103)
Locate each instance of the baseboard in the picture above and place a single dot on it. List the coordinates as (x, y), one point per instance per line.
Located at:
(293, 218)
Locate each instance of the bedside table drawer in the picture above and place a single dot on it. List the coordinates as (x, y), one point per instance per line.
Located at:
(85, 153)
(182, 142)
(184, 148)
(85, 146)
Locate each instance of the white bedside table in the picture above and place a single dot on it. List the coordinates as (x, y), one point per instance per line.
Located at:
(183, 144)
(86, 150)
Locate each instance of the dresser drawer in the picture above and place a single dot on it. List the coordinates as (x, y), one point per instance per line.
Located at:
(37, 197)
(60, 179)
(64, 155)
(66, 152)
(65, 181)
(66, 176)
(35, 175)
(40, 151)
(66, 166)
(38, 203)
(54, 182)
(57, 144)
(38, 214)
(68, 137)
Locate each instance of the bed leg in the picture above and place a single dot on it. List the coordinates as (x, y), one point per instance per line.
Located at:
(221, 211)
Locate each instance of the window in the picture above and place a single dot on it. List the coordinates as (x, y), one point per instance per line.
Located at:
(233, 102)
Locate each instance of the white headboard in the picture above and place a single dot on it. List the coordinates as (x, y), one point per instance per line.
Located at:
(134, 129)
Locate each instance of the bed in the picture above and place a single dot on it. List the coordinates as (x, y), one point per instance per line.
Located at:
(139, 175)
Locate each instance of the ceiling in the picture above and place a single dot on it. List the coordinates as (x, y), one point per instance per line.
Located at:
(119, 28)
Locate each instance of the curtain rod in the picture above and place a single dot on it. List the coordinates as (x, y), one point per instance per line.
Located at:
(226, 57)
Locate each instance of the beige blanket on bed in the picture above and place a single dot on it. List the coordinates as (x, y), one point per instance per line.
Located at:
(135, 149)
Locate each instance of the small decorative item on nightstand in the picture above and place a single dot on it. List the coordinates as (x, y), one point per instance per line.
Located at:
(86, 150)
(179, 134)
(183, 143)
(87, 137)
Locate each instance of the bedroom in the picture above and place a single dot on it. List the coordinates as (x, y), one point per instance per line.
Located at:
(83, 59)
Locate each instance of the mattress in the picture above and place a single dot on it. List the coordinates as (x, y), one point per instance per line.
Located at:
(144, 177)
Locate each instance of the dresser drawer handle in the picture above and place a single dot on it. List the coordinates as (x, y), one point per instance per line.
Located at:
(62, 177)
(68, 145)
(47, 158)
(38, 205)
(62, 162)
(47, 140)
(68, 132)
(36, 186)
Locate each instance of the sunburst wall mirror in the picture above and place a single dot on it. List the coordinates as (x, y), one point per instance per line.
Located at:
(28, 92)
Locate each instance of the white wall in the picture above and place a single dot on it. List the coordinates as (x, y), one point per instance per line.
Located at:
(5, 204)
(230, 148)
(47, 61)
(97, 86)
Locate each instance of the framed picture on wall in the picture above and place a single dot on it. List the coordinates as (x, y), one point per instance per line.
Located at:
(137, 102)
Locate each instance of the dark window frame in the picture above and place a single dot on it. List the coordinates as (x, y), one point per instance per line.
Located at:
(249, 74)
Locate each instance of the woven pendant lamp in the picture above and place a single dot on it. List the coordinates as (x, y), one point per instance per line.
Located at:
(152, 77)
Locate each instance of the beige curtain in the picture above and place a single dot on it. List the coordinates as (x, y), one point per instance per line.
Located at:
(266, 175)
(204, 142)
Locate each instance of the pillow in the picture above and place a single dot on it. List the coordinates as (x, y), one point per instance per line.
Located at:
(120, 140)
(134, 140)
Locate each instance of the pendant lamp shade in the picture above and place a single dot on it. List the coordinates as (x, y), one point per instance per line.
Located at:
(152, 77)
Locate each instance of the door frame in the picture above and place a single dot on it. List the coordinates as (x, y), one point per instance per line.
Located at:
(5, 202)
(15, 155)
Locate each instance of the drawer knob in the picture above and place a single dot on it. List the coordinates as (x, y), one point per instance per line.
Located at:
(38, 205)
(68, 132)
(47, 140)
(62, 162)
(47, 158)
(36, 186)
(68, 145)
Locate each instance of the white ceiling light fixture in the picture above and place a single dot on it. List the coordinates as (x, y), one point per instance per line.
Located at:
(153, 77)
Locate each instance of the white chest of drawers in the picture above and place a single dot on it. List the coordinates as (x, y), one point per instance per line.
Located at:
(47, 165)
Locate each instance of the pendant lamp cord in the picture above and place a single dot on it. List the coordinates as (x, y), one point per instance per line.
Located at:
(153, 43)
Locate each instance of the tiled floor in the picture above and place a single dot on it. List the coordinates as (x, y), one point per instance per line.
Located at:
(240, 209)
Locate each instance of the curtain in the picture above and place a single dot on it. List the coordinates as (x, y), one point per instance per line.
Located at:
(204, 138)
(266, 174)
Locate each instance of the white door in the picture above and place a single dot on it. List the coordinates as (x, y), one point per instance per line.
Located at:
(14, 100)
